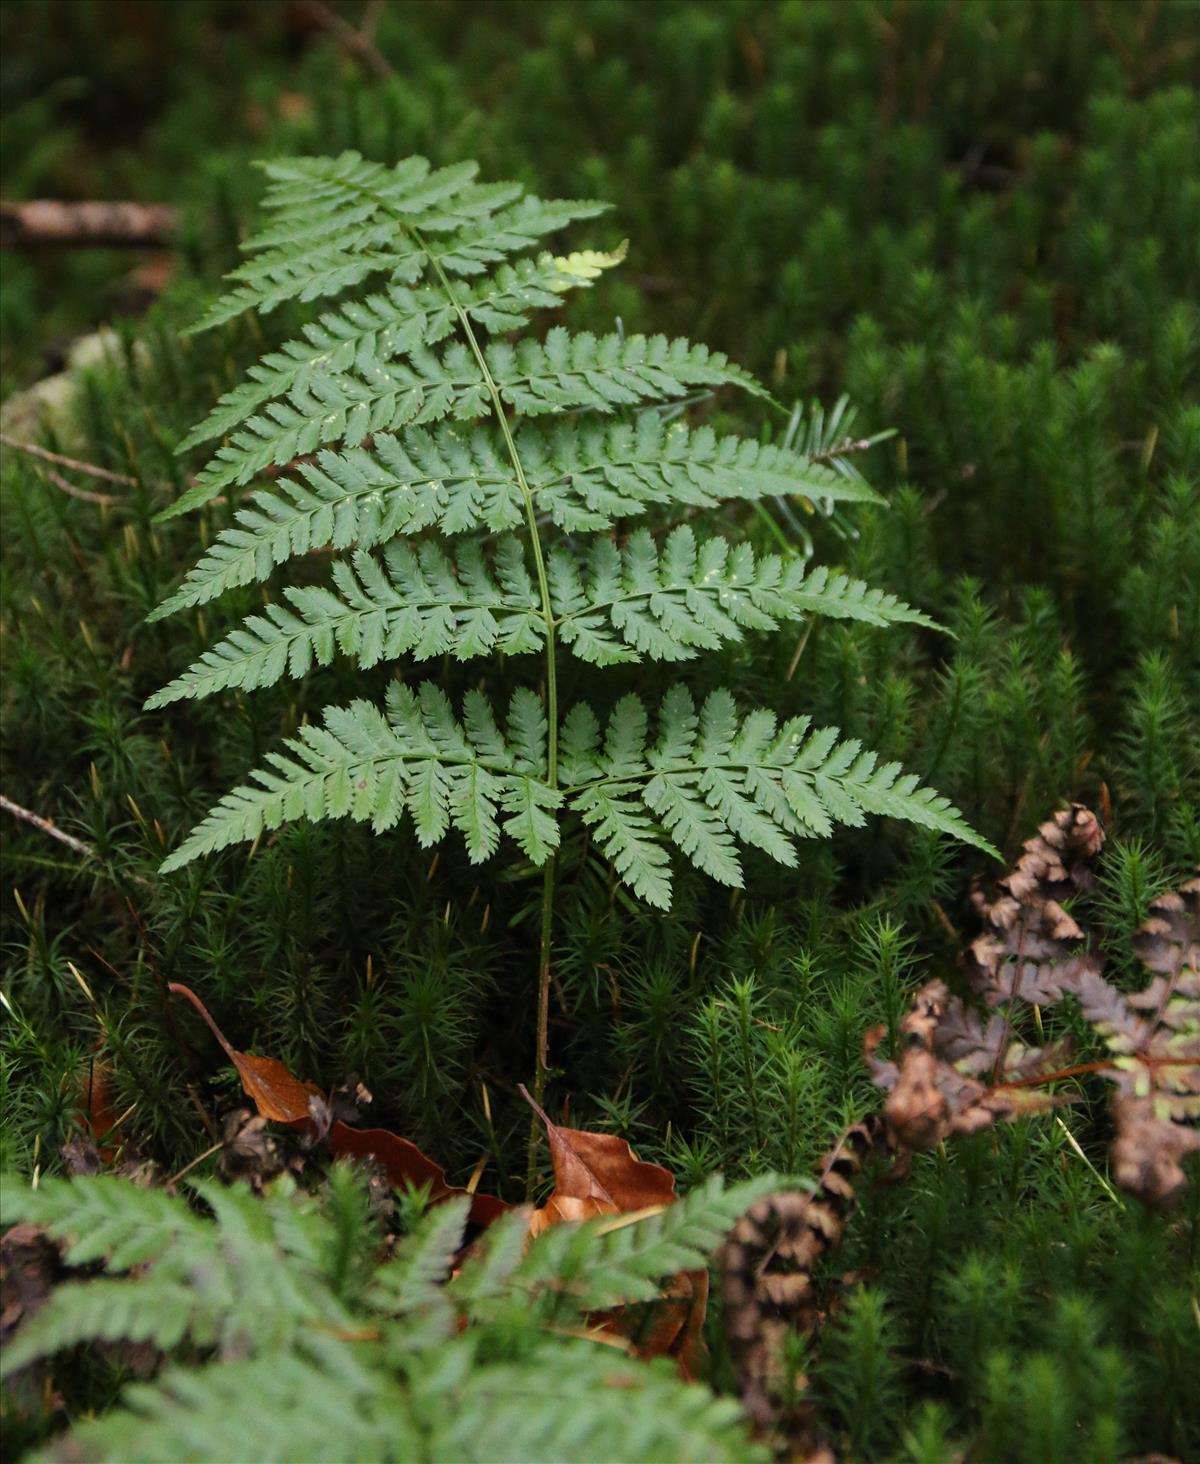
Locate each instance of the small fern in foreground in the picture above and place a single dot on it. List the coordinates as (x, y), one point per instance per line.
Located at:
(311, 1346)
(411, 412)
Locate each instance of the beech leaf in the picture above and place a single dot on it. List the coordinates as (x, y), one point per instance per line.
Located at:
(405, 1164)
(280, 1096)
(597, 1174)
(276, 1093)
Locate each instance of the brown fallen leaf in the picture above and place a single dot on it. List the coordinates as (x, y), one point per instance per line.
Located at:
(676, 1324)
(280, 1096)
(276, 1093)
(97, 1114)
(599, 1174)
(405, 1164)
(596, 1174)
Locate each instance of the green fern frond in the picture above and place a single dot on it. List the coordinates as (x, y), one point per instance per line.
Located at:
(457, 481)
(287, 1407)
(420, 602)
(163, 1312)
(416, 1275)
(106, 1219)
(339, 221)
(359, 499)
(296, 1376)
(306, 192)
(623, 604)
(387, 326)
(715, 779)
(551, 1404)
(300, 271)
(545, 1407)
(418, 759)
(487, 241)
(600, 373)
(303, 274)
(708, 783)
(224, 1285)
(566, 373)
(610, 1262)
(631, 1261)
(367, 379)
(494, 1261)
(598, 474)
(616, 606)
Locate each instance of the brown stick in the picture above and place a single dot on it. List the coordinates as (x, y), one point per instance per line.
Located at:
(85, 494)
(199, 1159)
(74, 464)
(840, 449)
(357, 43)
(42, 221)
(370, 19)
(47, 826)
(1102, 1065)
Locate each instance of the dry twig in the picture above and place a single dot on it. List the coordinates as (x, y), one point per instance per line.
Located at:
(47, 826)
(358, 43)
(91, 470)
(85, 495)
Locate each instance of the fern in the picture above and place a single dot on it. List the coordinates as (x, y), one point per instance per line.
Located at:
(567, 373)
(375, 378)
(105, 1221)
(277, 1407)
(223, 1286)
(584, 479)
(389, 325)
(293, 1367)
(613, 608)
(336, 226)
(623, 1263)
(707, 782)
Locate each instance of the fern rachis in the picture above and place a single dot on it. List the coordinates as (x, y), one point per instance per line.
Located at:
(386, 400)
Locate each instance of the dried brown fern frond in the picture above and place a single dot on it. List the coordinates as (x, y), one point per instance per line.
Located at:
(935, 1091)
(1031, 946)
(768, 1289)
(960, 1071)
(1154, 1036)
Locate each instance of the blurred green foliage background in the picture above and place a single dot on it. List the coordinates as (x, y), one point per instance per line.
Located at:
(980, 220)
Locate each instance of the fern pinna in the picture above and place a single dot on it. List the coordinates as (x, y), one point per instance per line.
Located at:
(413, 419)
